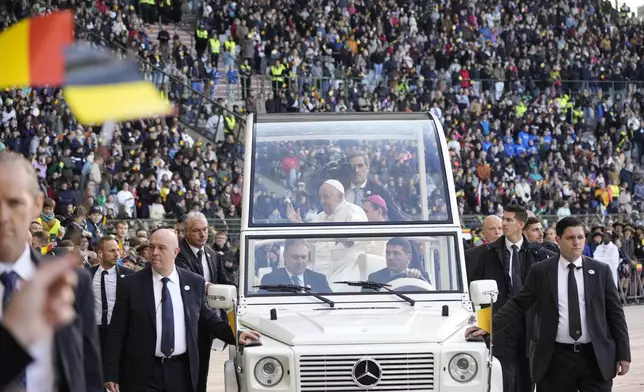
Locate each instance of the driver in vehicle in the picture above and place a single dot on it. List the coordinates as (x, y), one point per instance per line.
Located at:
(399, 255)
(295, 271)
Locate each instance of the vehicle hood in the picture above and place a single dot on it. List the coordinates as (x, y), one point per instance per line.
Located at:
(366, 326)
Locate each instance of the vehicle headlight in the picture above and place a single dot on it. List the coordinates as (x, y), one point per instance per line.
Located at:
(463, 367)
(269, 371)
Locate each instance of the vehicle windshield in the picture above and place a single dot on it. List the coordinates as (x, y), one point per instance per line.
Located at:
(409, 264)
(381, 168)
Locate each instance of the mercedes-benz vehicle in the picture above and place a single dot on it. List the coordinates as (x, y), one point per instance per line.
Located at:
(351, 261)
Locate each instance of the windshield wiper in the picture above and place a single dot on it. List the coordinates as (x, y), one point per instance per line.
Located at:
(291, 288)
(367, 284)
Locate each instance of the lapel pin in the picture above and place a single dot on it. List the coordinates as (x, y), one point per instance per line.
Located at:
(592, 272)
(186, 287)
(122, 275)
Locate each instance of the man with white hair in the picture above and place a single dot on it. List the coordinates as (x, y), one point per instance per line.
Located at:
(196, 256)
(337, 259)
(335, 208)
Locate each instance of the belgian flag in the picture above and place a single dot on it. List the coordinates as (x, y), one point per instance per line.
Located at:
(97, 86)
(33, 51)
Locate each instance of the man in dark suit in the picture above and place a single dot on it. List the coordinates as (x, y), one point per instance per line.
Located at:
(105, 277)
(507, 261)
(295, 271)
(43, 304)
(361, 187)
(152, 340)
(195, 256)
(78, 364)
(399, 255)
(533, 230)
(580, 339)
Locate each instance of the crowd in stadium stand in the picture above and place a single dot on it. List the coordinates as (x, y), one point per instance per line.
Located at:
(541, 101)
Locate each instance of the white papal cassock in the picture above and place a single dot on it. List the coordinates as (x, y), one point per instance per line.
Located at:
(337, 261)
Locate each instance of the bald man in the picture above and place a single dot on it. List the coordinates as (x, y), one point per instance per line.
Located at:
(335, 208)
(492, 229)
(152, 339)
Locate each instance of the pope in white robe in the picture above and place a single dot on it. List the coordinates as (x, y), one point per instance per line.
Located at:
(337, 259)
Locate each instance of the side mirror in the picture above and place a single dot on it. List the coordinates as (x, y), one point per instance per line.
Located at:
(484, 292)
(221, 296)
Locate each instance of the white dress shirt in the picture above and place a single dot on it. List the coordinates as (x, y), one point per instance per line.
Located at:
(204, 262)
(563, 329)
(174, 287)
(110, 290)
(351, 194)
(609, 254)
(508, 245)
(300, 277)
(40, 373)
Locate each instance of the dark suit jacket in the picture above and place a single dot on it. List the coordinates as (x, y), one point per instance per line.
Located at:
(121, 272)
(77, 348)
(371, 188)
(13, 358)
(187, 259)
(604, 315)
(131, 342)
(315, 280)
(486, 262)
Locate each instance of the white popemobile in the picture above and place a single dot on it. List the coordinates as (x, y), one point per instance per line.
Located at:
(351, 261)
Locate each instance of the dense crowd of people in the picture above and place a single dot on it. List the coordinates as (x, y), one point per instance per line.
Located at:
(542, 106)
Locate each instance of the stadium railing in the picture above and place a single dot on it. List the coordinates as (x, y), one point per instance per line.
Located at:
(262, 85)
(233, 225)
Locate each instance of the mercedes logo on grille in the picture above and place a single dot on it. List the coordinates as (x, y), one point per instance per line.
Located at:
(367, 373)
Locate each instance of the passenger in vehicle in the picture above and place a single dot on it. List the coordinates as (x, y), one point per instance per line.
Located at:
(335, 208)
(338, 259)
(399, 256)
(376, 209)
(295, 271)
(361, 187)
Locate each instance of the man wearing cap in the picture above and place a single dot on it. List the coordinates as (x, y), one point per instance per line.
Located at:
(376, 208)
(338, 259)
(94, 225)
(334, 206)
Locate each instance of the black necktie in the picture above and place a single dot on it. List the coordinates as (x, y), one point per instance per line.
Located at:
(574, 316)
(9, 281)
(167, 320)
(104, 299)
(516, 271)
(199, 265)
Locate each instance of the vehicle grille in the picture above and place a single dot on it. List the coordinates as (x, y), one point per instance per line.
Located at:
(400, 372)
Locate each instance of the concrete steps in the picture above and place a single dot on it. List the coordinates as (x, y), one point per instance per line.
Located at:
(186, 37)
